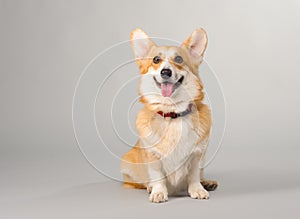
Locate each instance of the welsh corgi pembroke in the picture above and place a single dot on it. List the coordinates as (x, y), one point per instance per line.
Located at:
(174, 125)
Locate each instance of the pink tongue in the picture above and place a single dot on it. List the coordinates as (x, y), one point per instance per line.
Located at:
(166, 89)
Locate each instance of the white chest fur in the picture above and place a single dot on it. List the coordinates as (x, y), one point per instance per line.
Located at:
(175, 144)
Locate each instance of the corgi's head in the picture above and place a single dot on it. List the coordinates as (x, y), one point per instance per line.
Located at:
(169, 74)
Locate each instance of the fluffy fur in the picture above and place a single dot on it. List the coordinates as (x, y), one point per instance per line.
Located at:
(169, 152)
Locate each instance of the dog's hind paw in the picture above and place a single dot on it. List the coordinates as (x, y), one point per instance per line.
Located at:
(209, 185)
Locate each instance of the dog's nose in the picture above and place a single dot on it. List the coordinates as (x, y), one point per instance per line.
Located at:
(166, 73)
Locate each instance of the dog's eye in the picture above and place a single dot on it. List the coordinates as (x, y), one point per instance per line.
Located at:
(178, 59)
(156, 59)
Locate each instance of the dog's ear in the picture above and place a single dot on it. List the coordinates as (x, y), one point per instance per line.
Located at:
(141, 43)
(196, 44)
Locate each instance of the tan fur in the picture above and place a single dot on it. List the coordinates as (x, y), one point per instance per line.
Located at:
(160, 138)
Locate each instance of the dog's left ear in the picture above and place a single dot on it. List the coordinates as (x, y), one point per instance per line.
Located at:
(196, 44)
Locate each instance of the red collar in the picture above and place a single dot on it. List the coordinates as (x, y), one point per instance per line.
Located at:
(174, 115)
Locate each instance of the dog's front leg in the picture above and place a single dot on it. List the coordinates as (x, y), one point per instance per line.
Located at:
(157, 184)
(195, 189)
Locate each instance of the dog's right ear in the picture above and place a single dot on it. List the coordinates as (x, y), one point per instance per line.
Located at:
(141, 44)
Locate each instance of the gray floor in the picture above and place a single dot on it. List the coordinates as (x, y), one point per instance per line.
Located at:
(110, 199)
(252, 185)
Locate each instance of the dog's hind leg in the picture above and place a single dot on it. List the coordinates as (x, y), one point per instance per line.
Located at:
(209, 185)
(133, 169)
(128, 183)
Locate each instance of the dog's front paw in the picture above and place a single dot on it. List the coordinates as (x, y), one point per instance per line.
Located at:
(158, 196)
(198, 192)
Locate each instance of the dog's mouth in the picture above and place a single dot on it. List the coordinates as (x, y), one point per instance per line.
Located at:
(167, 88)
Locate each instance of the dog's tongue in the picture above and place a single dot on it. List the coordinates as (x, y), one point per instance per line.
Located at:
(166, 89)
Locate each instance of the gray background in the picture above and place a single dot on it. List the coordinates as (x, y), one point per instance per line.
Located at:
(254, 49)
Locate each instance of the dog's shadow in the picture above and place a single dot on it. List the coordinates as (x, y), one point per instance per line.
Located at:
(244, 182)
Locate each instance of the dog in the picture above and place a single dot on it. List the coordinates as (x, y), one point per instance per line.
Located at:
(174, 125)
